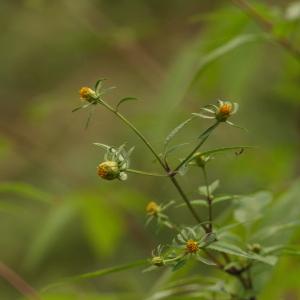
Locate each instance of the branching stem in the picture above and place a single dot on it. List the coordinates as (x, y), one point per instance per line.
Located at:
(170, 174)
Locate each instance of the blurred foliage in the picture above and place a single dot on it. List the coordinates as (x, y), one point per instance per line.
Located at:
(57, 218)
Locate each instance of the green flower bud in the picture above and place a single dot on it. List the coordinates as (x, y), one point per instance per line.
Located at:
(256, 248)
(200, 159)
(157, 261)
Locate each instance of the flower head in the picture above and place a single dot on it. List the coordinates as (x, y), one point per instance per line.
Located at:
(220, 112)
(116, 161)
(191, 246)
(109, 170)
(225, 110)
(153, 208)
(87, 94)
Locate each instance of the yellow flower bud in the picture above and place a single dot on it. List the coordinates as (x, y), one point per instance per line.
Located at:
(87, 94)
(152, 208)
(109, 170)
(191, 246)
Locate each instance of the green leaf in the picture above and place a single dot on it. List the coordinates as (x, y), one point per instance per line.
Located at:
(98, 273)
(225, 149)
(205, 260)
(174, 148)
(25, 190)
(270, 231)
(224, 198)
(212, 187)
(196, 202)
(44, 239)
(176, 130)
(235, 250)
(224, 49)
(250, 208)
(103, 223)
(98, 84)
(179, 265)
(123, 100)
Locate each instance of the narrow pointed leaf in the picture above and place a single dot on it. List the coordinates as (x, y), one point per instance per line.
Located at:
(123, 100)
(176, 130)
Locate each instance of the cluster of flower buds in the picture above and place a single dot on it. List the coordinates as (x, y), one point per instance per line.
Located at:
(116, 161)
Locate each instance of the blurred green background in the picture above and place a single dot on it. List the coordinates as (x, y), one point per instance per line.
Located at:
(57, 218)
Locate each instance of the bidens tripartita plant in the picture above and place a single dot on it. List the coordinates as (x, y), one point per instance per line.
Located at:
(220, 246)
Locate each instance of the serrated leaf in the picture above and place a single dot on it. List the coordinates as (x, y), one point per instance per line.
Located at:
(123, 100)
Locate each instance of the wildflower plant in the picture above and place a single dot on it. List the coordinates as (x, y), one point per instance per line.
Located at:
(219, 246)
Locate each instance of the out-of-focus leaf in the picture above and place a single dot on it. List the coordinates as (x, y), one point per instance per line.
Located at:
(24, 190)
(172, 134)
(47, 234)
(269, 232)
(251, 207)
(234, 250)
(212, 187)
(102, 222)
(205, 260)
(98, 273)
(224, 49)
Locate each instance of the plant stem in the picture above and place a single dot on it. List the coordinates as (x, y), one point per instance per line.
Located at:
(267, 25)
(209, 200)
(204, 137)
(145, 173)
(163, 165)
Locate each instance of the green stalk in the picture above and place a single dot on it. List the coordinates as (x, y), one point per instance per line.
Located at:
(163, 165)
(145, 173)
(204, 136)
(209, 200)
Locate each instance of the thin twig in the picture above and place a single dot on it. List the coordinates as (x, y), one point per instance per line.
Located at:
(266, 25)
(18, 283)
(204, 136)
(209, 200)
